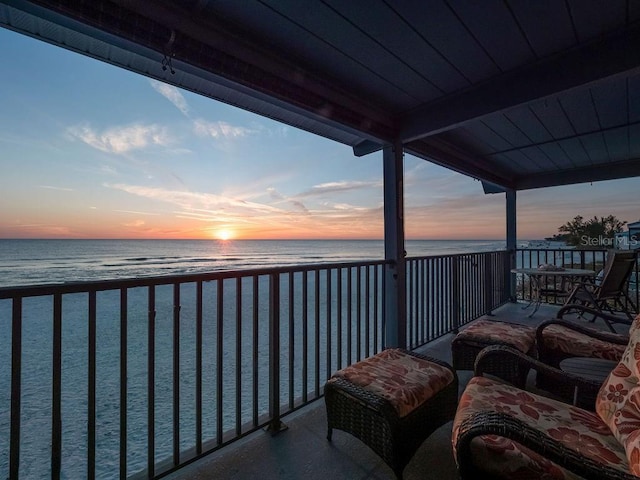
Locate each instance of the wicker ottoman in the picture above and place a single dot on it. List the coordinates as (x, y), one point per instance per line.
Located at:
(482, 333)
(392, 401)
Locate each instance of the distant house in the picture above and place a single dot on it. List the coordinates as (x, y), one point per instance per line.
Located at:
(629, 239)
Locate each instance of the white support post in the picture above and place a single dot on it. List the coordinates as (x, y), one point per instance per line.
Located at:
(395, 283)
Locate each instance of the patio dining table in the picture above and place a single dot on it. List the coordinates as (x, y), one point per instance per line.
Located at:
(538, 281)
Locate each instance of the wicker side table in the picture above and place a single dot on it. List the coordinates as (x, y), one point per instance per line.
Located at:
(392, 401)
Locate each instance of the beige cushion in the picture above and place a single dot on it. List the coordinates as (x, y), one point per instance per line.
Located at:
(487, 332)
(579, 430)
(405, 380)
(577, 344)
(618, 402)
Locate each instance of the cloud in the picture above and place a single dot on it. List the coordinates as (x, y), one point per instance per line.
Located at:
(280, 197)
(134, 212)
(274, 131)
(135, 223)
(195, 200)
(62, 189)
(349, 207)
(108, 170)
(172, 94)
(334, 187)
(121, 139)
(272, 216)
(220, 130)
(41, 229)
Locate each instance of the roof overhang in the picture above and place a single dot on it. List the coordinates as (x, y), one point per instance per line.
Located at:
(516, 95)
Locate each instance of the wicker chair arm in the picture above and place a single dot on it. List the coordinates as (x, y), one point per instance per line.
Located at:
(610, 337)
(503, 425)
(607, 317)
(501, 353)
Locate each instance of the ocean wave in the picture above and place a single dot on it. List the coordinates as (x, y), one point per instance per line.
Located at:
(58, 261)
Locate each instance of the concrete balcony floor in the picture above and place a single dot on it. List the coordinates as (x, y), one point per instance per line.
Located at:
(303, 452)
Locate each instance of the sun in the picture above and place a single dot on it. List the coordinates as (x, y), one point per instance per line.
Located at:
(224, 234)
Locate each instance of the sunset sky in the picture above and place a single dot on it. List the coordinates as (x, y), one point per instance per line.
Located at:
(92, 151)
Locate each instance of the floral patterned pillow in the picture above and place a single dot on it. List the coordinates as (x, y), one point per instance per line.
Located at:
(618, 403)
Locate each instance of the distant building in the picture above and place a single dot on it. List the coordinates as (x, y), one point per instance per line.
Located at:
(634, 231)
(629, 239)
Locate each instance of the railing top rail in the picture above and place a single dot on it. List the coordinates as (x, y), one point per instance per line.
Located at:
(450, 255)
(101, 285)
(562, 249)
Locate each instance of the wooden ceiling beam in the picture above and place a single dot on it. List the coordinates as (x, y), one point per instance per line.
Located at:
(616, 54)
(459, 160)
(610, 171)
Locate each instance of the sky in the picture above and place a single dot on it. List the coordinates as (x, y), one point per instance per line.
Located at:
(89, 150)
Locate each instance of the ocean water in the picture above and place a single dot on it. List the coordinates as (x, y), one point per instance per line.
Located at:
(33, 262)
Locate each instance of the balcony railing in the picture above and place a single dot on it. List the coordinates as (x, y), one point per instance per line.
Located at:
(137, 377)
(446, 292)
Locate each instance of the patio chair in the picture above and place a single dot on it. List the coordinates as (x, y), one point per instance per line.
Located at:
(501, 431)
(609, 290)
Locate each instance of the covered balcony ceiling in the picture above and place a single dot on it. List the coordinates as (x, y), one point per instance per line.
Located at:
(516, 93)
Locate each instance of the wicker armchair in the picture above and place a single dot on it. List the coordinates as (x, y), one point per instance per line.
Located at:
(501, 431)
(560, 339)
(580, 387)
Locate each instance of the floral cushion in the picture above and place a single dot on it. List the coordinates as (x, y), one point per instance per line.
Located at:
(489, 332)
(618, 402)
(577, 344)
(579, 430)
(405, 380)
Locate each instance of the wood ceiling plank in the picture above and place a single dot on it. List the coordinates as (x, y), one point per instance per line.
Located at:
(634, 11)
(469, 140)
(439, 25)
(529, 124)
(559, 74)
(596, 148)
(493, 26)
(634, 98)
(504, 127)
(519, 163)
(593, 18)
(311, 51)
(323, 22)
(580, 111)
(556, 152)
(384, 25)
(611, 102)
(611, 171)
(538, 158)
(576, 151)
(487, 135)
(546, 25)
(552, 116)
(617, 143)
(634, 141)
